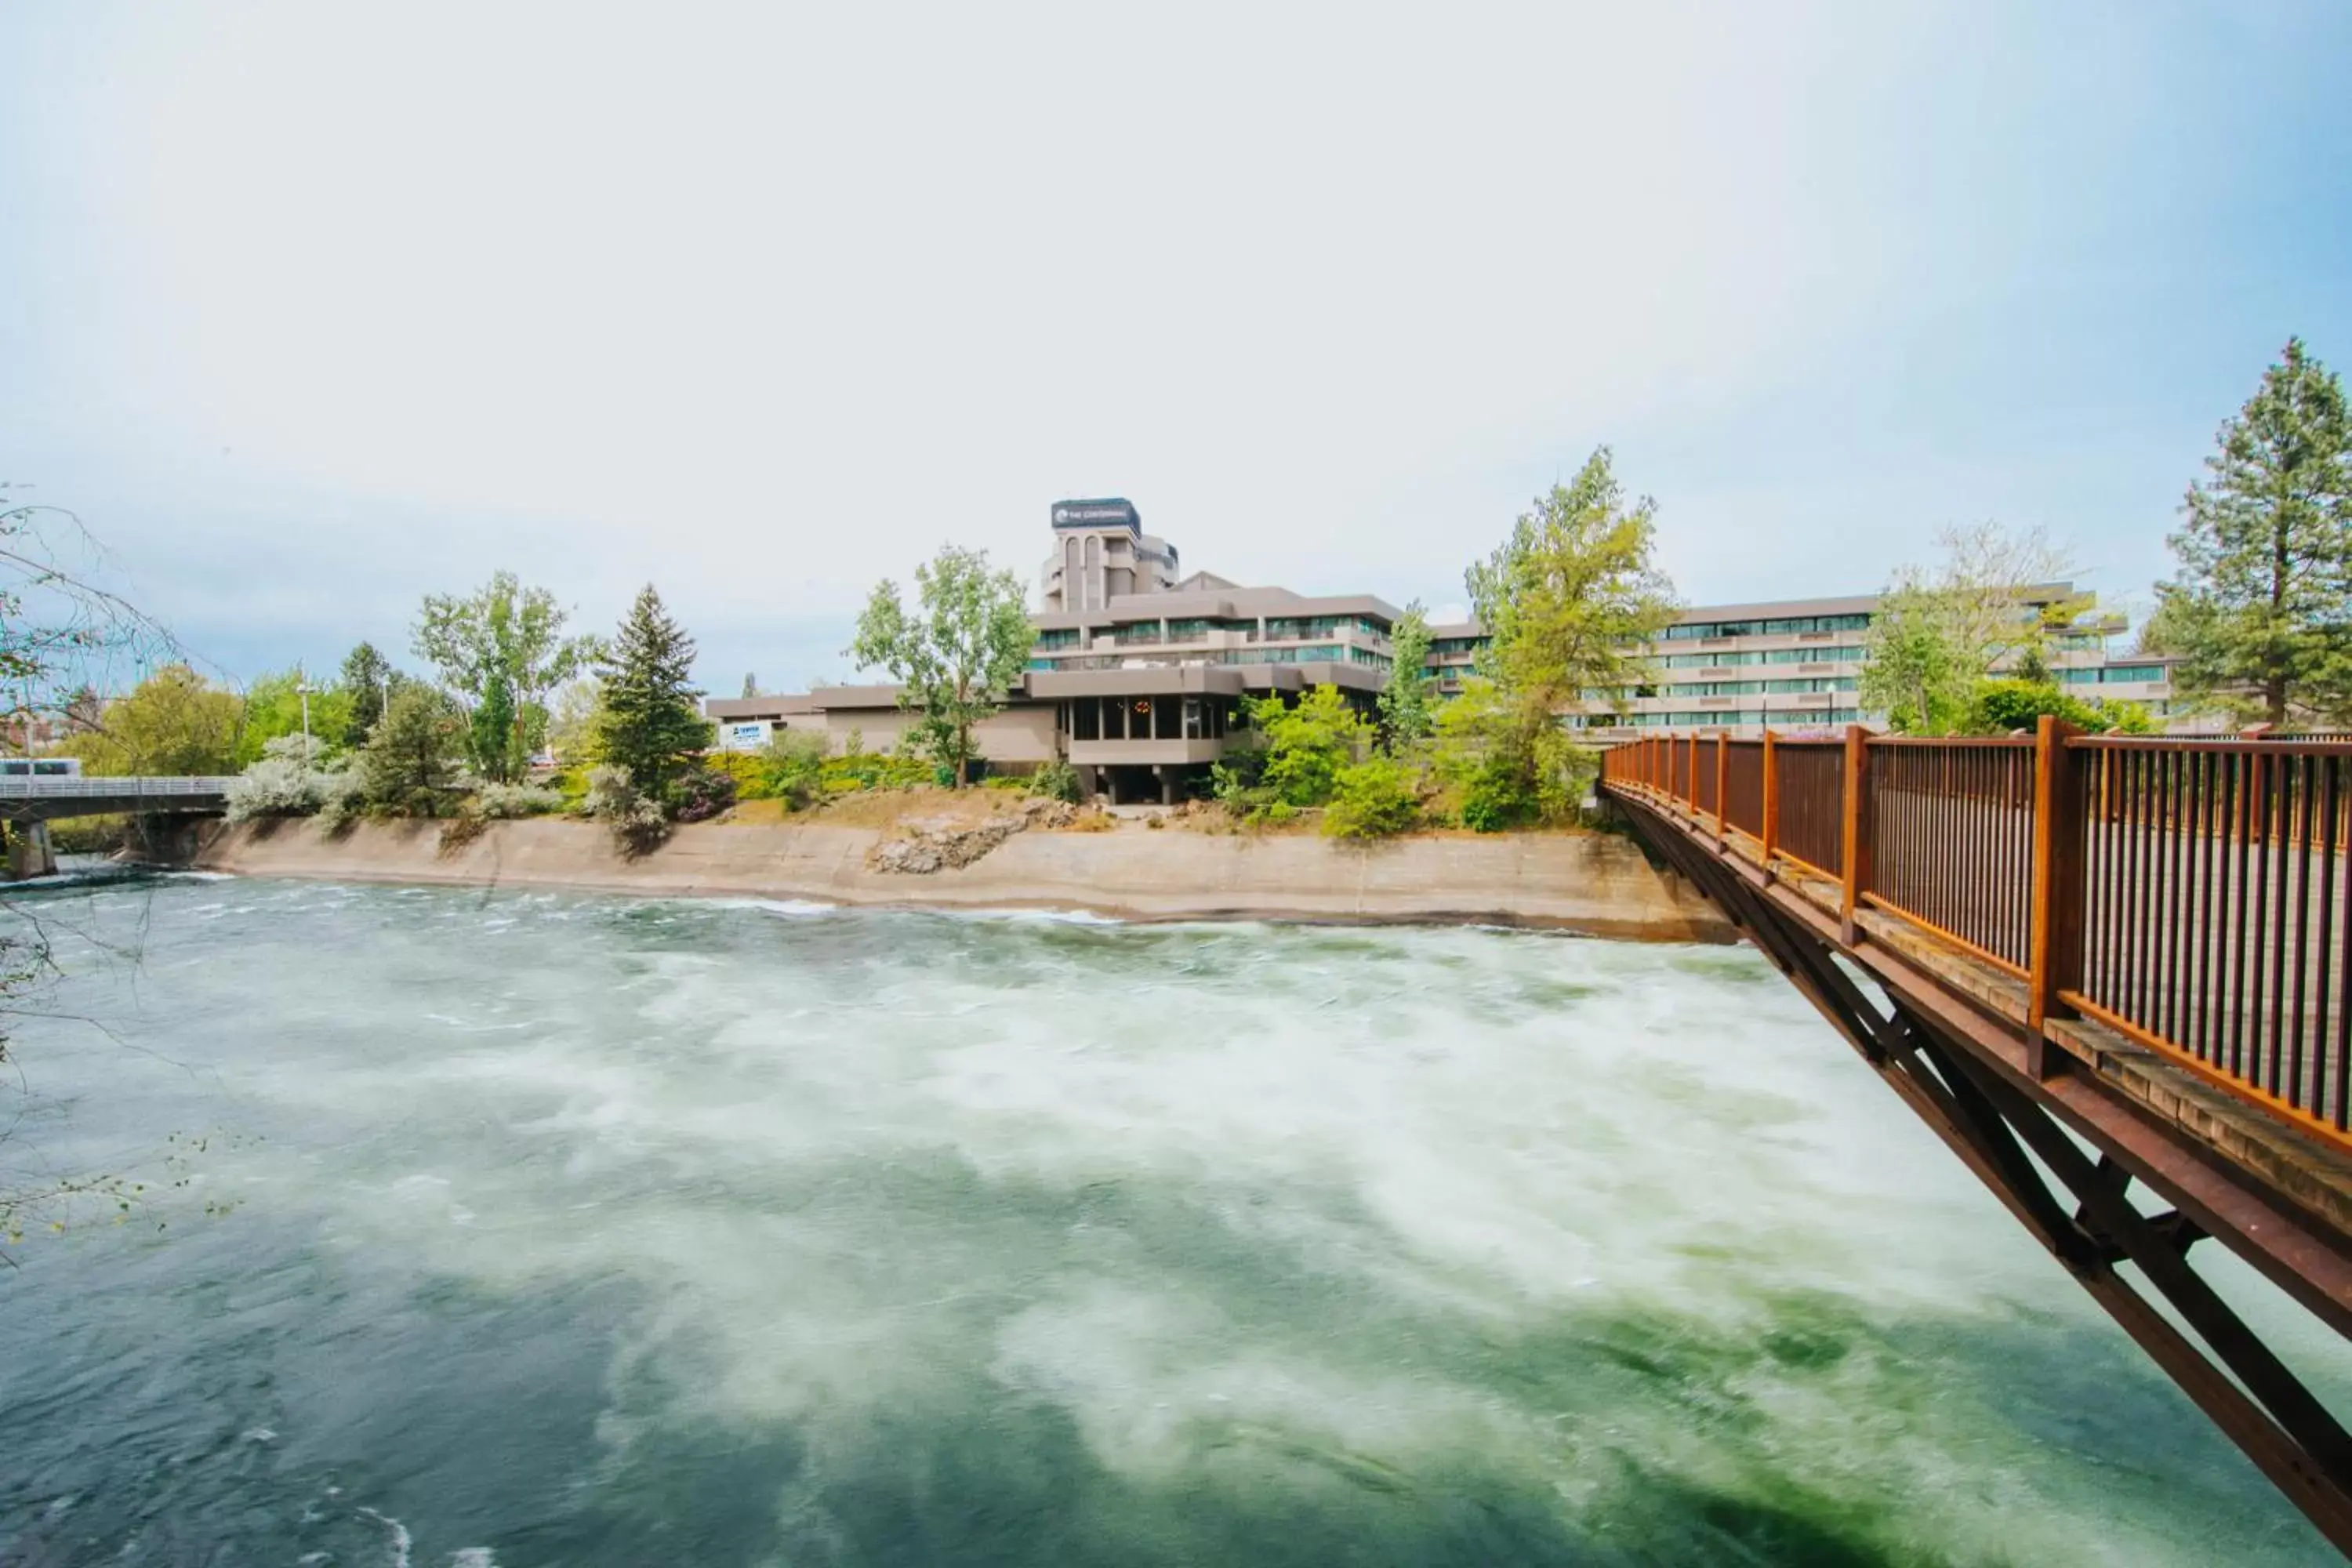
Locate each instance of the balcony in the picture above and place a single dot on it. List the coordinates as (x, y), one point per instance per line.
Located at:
(1101, 753)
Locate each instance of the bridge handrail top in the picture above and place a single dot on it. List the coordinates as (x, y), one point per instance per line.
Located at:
(2211, 743)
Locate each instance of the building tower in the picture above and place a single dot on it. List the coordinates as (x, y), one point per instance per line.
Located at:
(1100, 549)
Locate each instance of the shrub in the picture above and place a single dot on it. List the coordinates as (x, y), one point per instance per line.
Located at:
(1307, 743)
(747, 769)
(2001, 707)
(874, 769)
(792, 769)
(1499, 798)
(700, 794)
(1055, 781)
(636, 822)
(289, 781)
(503, 802)
(1376, 798)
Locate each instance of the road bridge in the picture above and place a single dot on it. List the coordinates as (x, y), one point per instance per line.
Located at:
(2113, 975)
(27, 806)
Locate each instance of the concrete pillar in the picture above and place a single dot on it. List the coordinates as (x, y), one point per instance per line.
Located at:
(1167, 783)
(29, 854)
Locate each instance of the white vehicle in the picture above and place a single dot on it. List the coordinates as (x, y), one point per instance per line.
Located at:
(40, 767)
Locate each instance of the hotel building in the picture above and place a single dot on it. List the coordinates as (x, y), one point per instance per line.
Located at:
(1138, 670)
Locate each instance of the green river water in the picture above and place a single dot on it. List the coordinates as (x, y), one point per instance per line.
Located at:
(556, 1229)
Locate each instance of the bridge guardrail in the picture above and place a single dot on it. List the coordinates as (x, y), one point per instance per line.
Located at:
(2193, 895)
(88, 787)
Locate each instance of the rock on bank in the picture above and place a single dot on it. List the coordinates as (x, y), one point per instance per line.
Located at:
(1596, 883)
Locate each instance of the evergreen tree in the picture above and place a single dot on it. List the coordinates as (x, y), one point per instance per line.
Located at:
(2264, 592)
(1404, 700)
(750, 685)
(410, 764)
(366, 677)
(651, 722)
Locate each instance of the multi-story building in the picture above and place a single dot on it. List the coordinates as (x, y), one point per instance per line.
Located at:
(1795, 664)
(1136, 675)
(1137, 672)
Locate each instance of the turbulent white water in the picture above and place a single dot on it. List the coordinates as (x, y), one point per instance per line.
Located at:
(579, 1230)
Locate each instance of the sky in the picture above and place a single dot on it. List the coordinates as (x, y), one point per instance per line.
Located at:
(309, 310)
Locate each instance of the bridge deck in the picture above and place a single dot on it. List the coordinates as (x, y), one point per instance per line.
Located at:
(1940, 915)
(46, 799)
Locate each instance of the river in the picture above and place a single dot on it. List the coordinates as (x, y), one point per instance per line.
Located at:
(485, 1229)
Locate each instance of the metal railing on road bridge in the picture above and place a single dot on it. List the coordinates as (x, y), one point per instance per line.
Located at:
(2192, 895)
(88, 788)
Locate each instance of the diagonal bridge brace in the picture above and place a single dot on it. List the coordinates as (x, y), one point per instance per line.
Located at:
(2074, 1201)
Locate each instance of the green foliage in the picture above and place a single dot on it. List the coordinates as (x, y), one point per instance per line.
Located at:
(174, 722)
(575, 713)
(2265, 582)
(1506, 762)
(1376, 798)
(288, 779)
(501, 802)
(1914, 670)
(1405, 718)
(409, 766)
(501, 648)
(651, 726)
(637, 820)
(1570, 590)
(273, 709)
(792, 769)
(854, 771)
(965, 645)
(1308, 743)
(2005, 707)
(366, 680)
(1055, 781)
(1938, 634)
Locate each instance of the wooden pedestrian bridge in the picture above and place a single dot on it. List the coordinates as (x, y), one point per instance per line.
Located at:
(2114, 975)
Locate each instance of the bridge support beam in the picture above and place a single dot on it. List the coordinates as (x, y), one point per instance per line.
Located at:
(2008, 1127)
(30, 853)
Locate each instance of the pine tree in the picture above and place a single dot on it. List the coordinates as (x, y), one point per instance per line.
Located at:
(366, 674)
(2263, 607)
(410, 764)
(651, 722)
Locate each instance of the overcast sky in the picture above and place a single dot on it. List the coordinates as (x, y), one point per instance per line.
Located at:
(309, 309)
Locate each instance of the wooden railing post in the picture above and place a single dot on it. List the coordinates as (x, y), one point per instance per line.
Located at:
(1769, 837)
(1722, 785)
(1855, 849)
(2055, 951)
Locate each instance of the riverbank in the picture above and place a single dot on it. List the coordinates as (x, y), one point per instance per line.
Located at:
(1595, 883)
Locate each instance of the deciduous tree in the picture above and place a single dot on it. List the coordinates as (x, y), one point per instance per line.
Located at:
(501, 647)
(1567, 600)
(954, 656)
(1405, 720)
(174, 722)
(2264, 622)
(1938, 632)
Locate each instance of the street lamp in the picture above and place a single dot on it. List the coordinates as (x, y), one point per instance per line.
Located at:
(302, 689)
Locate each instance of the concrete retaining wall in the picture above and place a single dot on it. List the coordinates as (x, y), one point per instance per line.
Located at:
(1589, 882)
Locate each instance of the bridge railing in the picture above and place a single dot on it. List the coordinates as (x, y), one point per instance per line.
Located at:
(87, 787)
(2193, 895)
